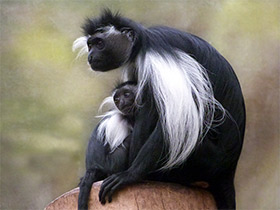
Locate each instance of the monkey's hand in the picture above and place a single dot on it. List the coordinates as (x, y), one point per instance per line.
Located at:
(115, 182)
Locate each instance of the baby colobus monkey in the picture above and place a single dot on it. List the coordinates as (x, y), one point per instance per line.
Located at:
(124, 99)
(109, 155)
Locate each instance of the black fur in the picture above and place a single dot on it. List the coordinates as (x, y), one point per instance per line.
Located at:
(215, 159)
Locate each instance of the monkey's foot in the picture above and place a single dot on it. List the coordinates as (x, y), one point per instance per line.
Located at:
(115, 182)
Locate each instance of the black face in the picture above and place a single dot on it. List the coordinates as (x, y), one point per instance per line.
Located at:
(109, 48)
(124, 99)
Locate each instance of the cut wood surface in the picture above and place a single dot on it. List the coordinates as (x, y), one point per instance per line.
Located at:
(147, 195)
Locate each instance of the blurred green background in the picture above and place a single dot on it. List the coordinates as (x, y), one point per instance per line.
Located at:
(49, 99)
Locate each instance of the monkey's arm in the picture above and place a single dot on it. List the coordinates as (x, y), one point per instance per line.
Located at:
(145, 124)
(145, 162)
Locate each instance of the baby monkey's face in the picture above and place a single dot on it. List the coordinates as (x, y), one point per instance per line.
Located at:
(124, 99)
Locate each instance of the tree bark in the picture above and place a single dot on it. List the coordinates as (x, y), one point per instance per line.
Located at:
(142, 196)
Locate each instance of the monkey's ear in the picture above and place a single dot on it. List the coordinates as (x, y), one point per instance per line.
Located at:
(131, 35)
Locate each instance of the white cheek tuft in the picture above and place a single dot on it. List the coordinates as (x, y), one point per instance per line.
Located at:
(108, 102)
(80, 43)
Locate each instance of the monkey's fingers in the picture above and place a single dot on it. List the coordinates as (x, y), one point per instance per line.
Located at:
(111, 192)
(113, 183)
(106, 187)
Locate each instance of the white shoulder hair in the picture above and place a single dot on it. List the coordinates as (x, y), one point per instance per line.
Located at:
(184, 95)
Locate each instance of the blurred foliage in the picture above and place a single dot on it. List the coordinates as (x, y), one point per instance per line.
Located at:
(49, 99)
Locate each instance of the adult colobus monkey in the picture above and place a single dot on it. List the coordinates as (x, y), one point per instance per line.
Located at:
(185, 88)
(107, 151)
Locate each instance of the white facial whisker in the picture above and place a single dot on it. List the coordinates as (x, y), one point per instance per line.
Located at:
(80, 43)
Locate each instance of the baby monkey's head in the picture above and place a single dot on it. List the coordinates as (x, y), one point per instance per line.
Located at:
(124, 97)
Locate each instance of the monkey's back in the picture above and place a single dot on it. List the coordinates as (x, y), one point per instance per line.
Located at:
(224, 81)
(220, 149)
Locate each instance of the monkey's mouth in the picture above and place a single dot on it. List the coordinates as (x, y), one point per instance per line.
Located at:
(96, 65)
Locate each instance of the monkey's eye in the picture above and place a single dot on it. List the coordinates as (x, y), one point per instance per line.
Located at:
(96, 42)
(127, 94)
(116, 99)
(128, 32)
(99, 30)
(125, 30)
(99, 44)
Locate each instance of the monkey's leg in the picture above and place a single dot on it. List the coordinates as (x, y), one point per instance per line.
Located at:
(224, 194)
(85, 187)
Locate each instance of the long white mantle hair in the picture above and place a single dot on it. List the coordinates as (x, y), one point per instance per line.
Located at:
(184, 99)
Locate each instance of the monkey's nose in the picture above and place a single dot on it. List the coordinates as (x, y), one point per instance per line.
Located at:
(121, 104)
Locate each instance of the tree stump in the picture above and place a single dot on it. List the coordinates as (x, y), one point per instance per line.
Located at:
(142, 196)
